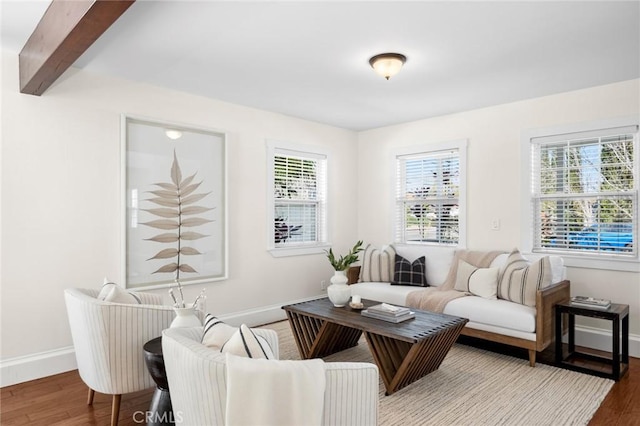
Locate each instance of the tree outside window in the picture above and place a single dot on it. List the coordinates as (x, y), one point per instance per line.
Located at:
(297, 184)
(428, 197)
(587, 194)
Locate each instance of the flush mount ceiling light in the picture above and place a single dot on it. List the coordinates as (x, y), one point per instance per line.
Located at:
(173, 134)
(387, 64)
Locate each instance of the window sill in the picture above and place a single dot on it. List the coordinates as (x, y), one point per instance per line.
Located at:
(298, 251)
(596, 262)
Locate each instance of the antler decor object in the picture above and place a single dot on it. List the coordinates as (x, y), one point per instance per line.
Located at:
(175, 200)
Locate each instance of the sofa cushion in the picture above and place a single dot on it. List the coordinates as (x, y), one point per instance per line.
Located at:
(496, 312)
(438, 259)
(409, 273)
(481, 282)
(377, 264)
(520, 280)
(383, 292)
(558, 271)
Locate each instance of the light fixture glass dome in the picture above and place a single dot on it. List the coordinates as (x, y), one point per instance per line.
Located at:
(173, 134)
(387, 64)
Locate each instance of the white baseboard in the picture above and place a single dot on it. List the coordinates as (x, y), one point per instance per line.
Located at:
(30, 367)
(35, 366)
(262, 315)
(602, 340)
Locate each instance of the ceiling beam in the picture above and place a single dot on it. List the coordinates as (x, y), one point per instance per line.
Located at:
(65, 32)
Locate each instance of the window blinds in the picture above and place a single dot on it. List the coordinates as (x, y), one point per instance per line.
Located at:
(299, 197)
(585, 192)
(428, 190)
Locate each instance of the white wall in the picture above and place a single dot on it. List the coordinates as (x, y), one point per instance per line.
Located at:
(494, 176)
(61, 214)
(60, 209)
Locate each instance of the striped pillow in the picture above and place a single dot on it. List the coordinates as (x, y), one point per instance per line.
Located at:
(244, 342)
(520, 281)
(216, 332)
(410, 273)
(377, 265)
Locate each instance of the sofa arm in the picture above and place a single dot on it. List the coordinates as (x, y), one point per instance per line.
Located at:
(353, 274)
(351, 394)
(546, 299)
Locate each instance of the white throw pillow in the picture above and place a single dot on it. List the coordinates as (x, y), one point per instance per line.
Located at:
(215, 332)
(482, 282)
(244, 342)
(112, 292)
(377, 264)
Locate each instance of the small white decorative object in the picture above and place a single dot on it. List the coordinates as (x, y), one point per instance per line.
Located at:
(339, 292)
(186, 317)
(356, 299)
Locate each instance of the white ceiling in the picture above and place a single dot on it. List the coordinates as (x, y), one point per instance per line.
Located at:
(310, 59)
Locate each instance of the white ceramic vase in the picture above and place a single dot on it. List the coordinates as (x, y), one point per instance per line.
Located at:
(339, 292)
(186, 317)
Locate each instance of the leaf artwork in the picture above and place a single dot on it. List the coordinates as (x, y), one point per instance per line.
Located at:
(176, 211)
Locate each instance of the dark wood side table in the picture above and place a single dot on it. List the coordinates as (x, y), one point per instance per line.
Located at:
(160, 411)
(618, 314)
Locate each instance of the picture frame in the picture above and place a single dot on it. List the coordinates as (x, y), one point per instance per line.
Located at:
(174, 185)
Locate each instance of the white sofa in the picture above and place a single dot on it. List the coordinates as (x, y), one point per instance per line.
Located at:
(497, 320)
(197, 382)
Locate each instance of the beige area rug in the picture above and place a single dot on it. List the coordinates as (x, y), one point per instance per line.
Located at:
(477, 387)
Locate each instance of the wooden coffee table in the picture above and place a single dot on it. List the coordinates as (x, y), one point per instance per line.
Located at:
(404, 352)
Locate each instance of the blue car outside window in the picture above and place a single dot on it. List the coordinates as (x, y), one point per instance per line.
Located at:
(617, 237)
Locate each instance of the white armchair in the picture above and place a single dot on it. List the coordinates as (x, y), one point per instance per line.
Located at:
(108, 339)
(198, 385)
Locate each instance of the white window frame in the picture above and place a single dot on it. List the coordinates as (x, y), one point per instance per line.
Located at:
(275, 148)
(398, 224)
(571, 258)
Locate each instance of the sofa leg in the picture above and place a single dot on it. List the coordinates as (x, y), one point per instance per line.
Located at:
(90, 396)
(115, 409)
(532, 357)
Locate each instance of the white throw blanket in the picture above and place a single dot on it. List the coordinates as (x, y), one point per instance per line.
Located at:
(272, 392)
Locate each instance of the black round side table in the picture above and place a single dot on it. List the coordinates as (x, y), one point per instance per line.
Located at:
(160, 411)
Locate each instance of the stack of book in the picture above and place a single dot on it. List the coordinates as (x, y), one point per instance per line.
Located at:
(590, 302)
(389, 313)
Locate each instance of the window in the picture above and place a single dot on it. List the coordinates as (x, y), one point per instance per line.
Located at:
(297, 191)
(430, 195)
(584, 193)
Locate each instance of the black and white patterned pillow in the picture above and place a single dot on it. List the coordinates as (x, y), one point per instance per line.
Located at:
(216, 333)
(410, 273)
(244, 342)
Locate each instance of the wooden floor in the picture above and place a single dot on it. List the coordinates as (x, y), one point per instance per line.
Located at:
(61, 400)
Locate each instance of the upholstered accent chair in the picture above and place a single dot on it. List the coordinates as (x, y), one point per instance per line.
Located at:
(198, 382)
(108, 339)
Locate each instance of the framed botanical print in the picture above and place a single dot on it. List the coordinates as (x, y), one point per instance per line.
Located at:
(174, 186)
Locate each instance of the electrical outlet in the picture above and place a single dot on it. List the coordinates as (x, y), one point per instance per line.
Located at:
(323, 285)
(495, 224)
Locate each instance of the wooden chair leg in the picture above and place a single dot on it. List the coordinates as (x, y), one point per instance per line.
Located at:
(115, 409)
(90, 396)
(532, 357)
